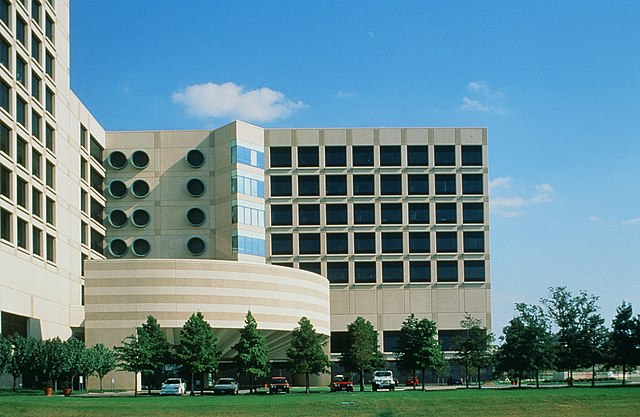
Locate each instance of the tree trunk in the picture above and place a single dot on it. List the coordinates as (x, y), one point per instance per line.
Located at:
(192, 384)
(414, 380)
(537, 378)
(520, 378)
(479, 384)
(593, 375)
(624, 368)
(361, 380)
(466, 375)
(204, 373)
(306, 382)
(101, 384)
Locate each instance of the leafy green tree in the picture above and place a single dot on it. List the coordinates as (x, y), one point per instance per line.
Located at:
(418, 347)
(53, 361)
(363, 352)
(624, 340)
(104, 361)
(527, 343)
(198, 349)
(252, 358)
(5, 353)
(595, 343)
(307, 351)
(151, 336)
(473, 347)
(574, 318)
(75, 357)
(132, 357)
(24, 356)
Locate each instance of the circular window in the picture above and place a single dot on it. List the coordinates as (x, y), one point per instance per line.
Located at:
(117, 160)
(140, 217)
(140, 159)
(117, 218)
(195, 158)
(141, 247)
(196, 216)
(196, 246)
(195, 187)
(117, 189)
(140, 188)
(118, 247)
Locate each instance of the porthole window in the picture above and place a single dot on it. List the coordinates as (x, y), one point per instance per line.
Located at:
(118, 248)
(196, 216)
(195, 187)
(196, 246)
(141, 247)
(117, 160)
(195, 158)
(140, 188)
(140, 159)
(140, 217)
(117, 218)
(117, 189)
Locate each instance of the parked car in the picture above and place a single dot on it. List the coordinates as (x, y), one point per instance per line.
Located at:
(173, 386)
(383, 379)
(412, 381)
(226, 386)
(341, 383)
(279, 384)
(455, 381)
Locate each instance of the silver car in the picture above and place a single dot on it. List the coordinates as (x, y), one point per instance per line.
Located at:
(173, 386)
(226, 386)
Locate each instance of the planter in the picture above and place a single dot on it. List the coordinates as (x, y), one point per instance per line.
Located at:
(67, 392)
(48, 391)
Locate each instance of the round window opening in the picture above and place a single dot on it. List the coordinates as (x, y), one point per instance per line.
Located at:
(141, 247)
(118, 247)
(195, 187)
(117, 218)
(140, 218)
(196, 246)
(196, 216)
(195, 158)
(140, 159)
(140, 188)
(117, 189)
(117, 160)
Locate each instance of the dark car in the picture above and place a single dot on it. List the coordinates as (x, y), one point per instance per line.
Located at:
(455, 381)
(279, 384)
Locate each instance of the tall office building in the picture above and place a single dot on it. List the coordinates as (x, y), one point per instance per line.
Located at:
(330, 224)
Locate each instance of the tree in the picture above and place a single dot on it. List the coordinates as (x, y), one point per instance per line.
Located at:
(132, 357)
(473, 346)
(152, 338)
(104, 361)
(24, 356)
(418, 347)
(74, 355)
(53, 361)
(572, 317)
(198, 349)
(251, 358)
(624, 345)
(307, 351)
(5, 353)
(595, 341)
(362, 352)
(527, 343)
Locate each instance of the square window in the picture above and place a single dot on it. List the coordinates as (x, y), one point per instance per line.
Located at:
(36, 47)
(280, 186)
(5, 139)
(420, 271)
(335, 156)
(419, 242)
(473, 212)
(364, 242)
(280, 156)
(5, 182)
(36, 241)
(21, 111)
(21, 152)
(310, 266)
(308, 185)
(36, 202)
(391, 213)
(392, 272)
(474, 271)
(445, 184)
(472, 184)
(308, 156)
(474, 241)
(391, 184)
(362, 156)
(446, 213)
(308, 214)
(49, 64)
(36, 163)
(471, 155)
(36, 125)
(50, 211)
(447, 271)
(5, 12)
(336, 185)
(417, 155)
(21, 31)
(390, 156)
(363, 184)
(21, 236)
(51, 248)
(97, 211)
(281, 244)
(49, 29)
(336, 214)
(392, 242)
(365, 272)
(21, 192)
(21, 71)
(445, 155)
(35, 10)
(49, 101)
(309, 243)
(337, 243)
(5, 96)
(418, 184)
(418, 213)
(51, 175)
(364, 214)
(50, 137)
(5, 225)
(281, 215)
(36, 82)
(5, 53)
(83, 136)
(338, 272)
(446, 242)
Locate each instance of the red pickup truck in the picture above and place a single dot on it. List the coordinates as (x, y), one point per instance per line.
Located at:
(341, 383)
(279, 384)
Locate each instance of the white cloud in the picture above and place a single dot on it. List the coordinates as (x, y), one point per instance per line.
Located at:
(230, 100)
(482, 99)
(500, 182)
(507, 202)
(594, 218)
(505, 205)
(346, 94)
(632, 221)
(544, 193)
(474, 105)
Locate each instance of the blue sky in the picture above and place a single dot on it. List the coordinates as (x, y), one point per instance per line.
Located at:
(556, 83)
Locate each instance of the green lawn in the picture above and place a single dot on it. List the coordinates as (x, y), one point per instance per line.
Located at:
(562, 402)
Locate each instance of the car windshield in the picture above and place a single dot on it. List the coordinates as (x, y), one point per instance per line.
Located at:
(172, 381)
(339, 379)
(225, 381)
(383, 373)
(279, 380)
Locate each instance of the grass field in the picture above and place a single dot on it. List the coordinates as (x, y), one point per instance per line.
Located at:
(563, 402)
